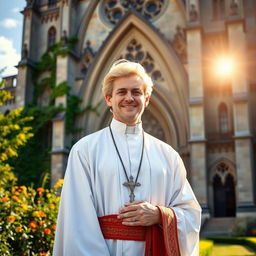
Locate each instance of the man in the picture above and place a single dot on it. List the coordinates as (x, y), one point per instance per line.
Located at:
(125, 192)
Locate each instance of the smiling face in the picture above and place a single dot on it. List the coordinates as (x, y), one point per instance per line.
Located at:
(128, 99)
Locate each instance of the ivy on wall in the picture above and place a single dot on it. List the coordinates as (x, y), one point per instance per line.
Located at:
(34, 160)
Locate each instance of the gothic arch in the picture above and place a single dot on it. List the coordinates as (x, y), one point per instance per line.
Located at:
(222, 188)
(170, 97)
(214, 170)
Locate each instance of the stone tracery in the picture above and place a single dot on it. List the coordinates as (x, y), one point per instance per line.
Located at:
(114, 10)
(135, 52)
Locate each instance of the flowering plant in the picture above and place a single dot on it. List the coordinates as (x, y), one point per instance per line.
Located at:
(28, 220)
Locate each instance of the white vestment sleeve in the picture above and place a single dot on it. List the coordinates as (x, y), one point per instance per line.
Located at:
(187, 210)
(78, 232)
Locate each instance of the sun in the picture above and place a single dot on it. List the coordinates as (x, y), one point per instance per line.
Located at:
(224, 66)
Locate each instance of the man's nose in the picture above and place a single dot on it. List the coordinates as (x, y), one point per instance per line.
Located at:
(129, 97)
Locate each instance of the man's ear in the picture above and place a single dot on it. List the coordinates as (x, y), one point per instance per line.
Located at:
(147, 101)
(108, 100)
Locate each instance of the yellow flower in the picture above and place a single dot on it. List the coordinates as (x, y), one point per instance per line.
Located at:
(52, 206)
(24, 206)
(38, 214)
(59, 183)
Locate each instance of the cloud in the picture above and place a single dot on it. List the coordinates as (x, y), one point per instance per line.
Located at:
(15, 10)
(9, 23)
(8, 56)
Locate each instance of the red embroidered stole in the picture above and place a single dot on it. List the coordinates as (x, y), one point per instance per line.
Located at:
(159, 241)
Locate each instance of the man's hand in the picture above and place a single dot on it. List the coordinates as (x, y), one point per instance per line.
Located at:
(140, 213)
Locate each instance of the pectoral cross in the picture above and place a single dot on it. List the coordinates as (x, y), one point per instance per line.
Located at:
(131, 186)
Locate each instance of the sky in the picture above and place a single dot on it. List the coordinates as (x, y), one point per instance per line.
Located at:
(11, 23)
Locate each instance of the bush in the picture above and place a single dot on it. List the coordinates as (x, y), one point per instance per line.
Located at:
(28, 220)
(247, 241)
(206, 247)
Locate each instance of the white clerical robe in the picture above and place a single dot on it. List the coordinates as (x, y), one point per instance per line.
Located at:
(93, 187)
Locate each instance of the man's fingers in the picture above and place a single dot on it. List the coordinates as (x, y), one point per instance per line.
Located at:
(134, 203)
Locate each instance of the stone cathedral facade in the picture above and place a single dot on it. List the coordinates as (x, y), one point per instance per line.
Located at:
(209, 121)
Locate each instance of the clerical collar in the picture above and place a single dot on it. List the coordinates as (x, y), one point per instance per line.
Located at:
(123, 128)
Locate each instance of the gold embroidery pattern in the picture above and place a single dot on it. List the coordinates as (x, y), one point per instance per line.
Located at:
(170, 230)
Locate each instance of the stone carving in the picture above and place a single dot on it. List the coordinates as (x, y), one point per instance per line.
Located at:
(223, 170)
(135, 52)
(179, 44)
(152, 126)
(114, 10)
(88, 57)
(233, 8)
(193, 14)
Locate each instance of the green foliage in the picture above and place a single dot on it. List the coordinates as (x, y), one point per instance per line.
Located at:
(14, 134)
(28, 220)
(206, 247)
(37, 149)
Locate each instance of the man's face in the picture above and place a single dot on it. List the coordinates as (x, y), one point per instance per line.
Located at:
(128, 99)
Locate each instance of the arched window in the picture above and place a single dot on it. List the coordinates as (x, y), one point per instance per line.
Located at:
(51, 36)
(218, 9)
(223, 118)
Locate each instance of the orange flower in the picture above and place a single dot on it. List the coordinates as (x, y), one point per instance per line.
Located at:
(38, 214)
(42, 214)
(33, 225)
(52, 206)
(15, 198)
(40, 189)
(47, 231)
(11, 218)
(4, 199)
(41, 223)
(19, 229)
(42, 253)
(54, 227)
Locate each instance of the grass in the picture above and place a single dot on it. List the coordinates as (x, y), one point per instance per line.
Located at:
(231, 250)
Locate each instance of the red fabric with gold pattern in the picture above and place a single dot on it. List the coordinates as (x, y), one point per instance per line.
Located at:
(170, 231)
(112, 228)
(160, 241)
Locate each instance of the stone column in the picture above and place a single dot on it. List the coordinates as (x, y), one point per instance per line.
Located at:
(243, 144)
(196, 107)
(24, 90)
(59, 142)
(59, 138)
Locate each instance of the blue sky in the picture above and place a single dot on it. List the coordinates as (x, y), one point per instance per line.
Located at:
(11, 22)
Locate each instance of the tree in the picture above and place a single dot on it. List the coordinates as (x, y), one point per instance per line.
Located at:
(14, 134)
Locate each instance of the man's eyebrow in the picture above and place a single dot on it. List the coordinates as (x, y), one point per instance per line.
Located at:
(121, 89)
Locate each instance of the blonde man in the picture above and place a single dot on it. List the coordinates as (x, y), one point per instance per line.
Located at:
(126, 192)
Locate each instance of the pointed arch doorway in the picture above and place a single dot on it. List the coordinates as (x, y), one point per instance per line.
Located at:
(224, 192)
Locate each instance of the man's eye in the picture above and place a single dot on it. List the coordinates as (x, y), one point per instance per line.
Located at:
(137, 93)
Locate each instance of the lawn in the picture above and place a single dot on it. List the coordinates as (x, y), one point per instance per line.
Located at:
(231, 250)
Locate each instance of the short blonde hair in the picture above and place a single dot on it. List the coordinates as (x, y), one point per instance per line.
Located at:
(123, 68)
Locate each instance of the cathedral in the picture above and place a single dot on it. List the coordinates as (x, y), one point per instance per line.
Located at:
(209, 117)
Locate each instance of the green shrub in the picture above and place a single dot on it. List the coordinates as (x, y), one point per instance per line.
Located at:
(206, 247)
(248, 241)
(28, 220)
